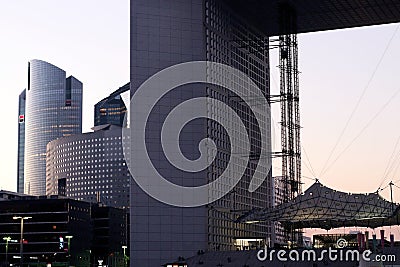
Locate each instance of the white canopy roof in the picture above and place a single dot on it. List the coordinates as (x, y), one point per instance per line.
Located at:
(322, 207)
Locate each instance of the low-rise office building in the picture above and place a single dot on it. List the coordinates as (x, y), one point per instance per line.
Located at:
(45, 234)
(60, 230)
(89, 167)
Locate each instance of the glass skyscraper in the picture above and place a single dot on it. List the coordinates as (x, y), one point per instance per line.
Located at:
(53, 110)
(112, 109)
(21, 141)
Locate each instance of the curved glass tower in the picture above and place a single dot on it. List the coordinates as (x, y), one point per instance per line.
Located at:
(53, 110)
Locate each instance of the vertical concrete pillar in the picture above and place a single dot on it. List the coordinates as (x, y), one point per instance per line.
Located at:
(391, 240)
(374, 243)
(359, 241)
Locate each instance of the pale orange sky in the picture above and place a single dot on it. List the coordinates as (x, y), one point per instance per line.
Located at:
(335, 68)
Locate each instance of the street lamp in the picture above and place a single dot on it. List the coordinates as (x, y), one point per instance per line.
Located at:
(125, 261)
(69, 247)
(21, 244)
(7, 239)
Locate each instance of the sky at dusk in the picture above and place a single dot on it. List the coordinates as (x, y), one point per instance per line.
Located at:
(351, 72)
(90, 40)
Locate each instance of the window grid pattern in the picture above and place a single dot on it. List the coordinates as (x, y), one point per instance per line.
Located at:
(48, 117)
(93, 167)
(231, 41)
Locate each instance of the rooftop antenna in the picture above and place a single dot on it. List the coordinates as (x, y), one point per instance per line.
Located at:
(391, 193)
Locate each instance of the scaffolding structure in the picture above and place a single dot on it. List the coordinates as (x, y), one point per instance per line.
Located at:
(289, 104)
(289, 96)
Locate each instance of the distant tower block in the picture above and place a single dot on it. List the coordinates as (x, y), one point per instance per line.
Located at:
(53, 110)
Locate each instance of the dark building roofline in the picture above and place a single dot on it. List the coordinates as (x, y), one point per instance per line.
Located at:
(39, 60)
(103, 127)
(23, 93)
(14, 196)
(117, 92)
(71, 76)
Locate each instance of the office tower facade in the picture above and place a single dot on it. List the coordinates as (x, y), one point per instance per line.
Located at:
(112, 109)
(280, 235)
(21, 141)
(89, 167)
(53, 110)
(171, 32)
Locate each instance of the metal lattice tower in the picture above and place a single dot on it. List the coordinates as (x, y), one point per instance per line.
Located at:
(289, 101)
